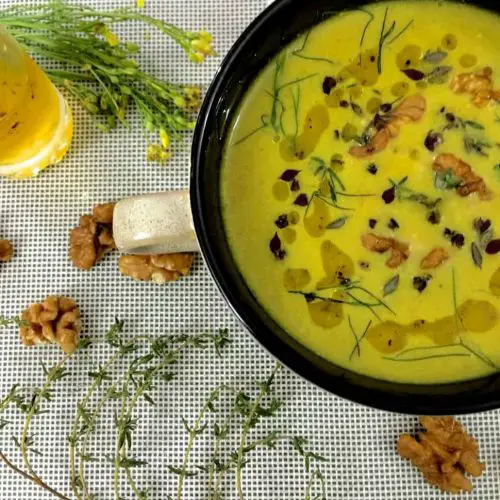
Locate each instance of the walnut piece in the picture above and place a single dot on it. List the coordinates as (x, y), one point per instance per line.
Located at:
(410, 110)
(471, 183)
(157, 268)
(443, 453)
(93, 238)
(479, 85)
(434, 258)
(6, 250)
(399, 251)
(55, 320)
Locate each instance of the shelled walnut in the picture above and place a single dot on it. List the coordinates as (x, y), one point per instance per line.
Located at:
(93, 238)
(157, 268)
(444, 452)
(55, 320)
(6, 250)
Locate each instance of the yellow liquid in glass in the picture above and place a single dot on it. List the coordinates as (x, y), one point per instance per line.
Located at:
(36, 125)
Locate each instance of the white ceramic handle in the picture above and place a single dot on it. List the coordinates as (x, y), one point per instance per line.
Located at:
(155, 223)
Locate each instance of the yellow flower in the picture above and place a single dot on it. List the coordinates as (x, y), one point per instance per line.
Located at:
(140, 4)
(202, 46)
(157, 153)
(193, 98)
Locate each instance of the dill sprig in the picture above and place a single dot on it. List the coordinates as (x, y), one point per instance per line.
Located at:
(100, 71)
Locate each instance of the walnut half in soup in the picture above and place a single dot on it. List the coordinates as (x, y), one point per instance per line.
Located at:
(361, 190)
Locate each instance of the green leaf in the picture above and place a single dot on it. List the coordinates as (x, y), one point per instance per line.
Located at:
(337, 223)
(391, 285)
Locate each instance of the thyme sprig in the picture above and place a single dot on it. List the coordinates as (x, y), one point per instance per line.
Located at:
(13, 321)
(100, 71)
(251, 411)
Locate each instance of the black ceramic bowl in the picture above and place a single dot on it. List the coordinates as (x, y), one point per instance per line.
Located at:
(282, 22)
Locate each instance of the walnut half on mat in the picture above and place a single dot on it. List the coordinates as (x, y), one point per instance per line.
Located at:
(157, 268)
(93, 238)
(444, 453)
(55, 320)
(6, 250)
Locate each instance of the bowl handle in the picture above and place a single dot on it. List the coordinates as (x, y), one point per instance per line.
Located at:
(155, 224)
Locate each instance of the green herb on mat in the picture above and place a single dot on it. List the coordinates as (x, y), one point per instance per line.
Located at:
(100, 71)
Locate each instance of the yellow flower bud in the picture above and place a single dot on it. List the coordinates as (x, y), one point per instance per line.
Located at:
(164, 138)
(196, 57)
(205, 35)
(202, 46)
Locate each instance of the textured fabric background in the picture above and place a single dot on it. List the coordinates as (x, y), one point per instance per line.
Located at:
(37, 216)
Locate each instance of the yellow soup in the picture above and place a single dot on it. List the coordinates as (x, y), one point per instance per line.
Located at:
(361, 190)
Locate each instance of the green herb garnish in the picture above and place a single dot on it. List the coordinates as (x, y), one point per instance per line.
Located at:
(446, 180)
(392, 285)
(384, 38)
(299, 52)
(358, 340)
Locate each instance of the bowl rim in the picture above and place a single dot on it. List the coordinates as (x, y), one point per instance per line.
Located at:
(409, 398)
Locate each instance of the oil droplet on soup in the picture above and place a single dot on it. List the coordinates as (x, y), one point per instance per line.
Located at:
(296, 279)
(326, 314)
(315, 123)
(391, 134)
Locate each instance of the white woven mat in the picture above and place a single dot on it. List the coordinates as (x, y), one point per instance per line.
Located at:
(37, 215)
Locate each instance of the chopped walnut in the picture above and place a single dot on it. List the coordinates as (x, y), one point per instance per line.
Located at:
(443, 453)
(434, 258)
(157, 268)
(55, 320)
(411, 109)
(471, 183)
(479, 85)
(6, 250)
(399, 251)
(93, 238)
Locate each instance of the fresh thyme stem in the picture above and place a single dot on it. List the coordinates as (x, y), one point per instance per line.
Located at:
(193, 433)
(118, 445)
(33, 478)
(264, 390)
(84, 440)
(53, 374)
(73, 436)
(224, 429)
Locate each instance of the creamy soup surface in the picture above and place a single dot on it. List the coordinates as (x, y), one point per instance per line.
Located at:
(361, 190)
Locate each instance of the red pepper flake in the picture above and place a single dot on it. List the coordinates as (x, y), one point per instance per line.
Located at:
(482, 225)
(275, 247)
(282, 221)
(458, 240)
(301, 200)
(289, 175)
(393, 224)
(329, 83)
(414, 74)
(433, 140)
(493, 247)
(389, 195)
